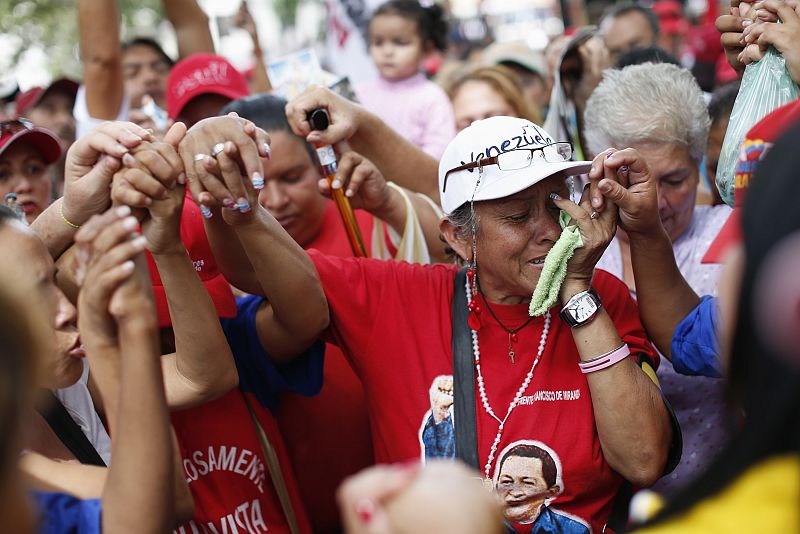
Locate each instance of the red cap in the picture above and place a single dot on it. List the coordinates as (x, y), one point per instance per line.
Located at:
(42, 140)
(201, 74)
(756, 144)
(194, 239)
(670, 17)
(33, 96)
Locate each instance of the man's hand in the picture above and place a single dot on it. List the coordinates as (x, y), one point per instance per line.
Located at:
(344, 116)
(441, 396)
(766, 32)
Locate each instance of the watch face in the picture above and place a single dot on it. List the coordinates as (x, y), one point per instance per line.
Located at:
(583, 308)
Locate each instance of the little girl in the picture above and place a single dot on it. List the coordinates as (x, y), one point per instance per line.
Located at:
(401, 34)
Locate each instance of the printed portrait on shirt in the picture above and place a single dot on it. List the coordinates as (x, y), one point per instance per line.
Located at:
(528, 477)
(437, 433)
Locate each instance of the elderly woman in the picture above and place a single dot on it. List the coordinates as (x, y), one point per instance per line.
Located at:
(489, 91)
(26, 154)
(659, 110)
(502, 184)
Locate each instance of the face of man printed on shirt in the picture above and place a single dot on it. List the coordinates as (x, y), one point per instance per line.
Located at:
(522, 482)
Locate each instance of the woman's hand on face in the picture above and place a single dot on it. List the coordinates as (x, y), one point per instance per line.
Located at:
(765, 31)
(361, 181)
(597, 229)
(252, 144)
(90, 165)
(625, 180)
(107, 245)
(344, 116)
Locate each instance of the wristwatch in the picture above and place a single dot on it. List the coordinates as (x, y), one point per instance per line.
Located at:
(581, 308)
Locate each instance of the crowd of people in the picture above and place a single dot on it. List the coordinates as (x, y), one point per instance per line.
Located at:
(539, 317)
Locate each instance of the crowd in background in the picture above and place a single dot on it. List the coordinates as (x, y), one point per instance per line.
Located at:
(497, 289)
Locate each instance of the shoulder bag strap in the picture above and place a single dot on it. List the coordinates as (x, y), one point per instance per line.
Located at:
(463, 378)
(274, 466)
(69, 432)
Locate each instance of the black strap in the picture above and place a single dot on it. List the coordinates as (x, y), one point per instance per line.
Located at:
(69, 432)
(466, 430)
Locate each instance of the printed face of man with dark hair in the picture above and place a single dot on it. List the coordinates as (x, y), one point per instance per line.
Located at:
(523, 488)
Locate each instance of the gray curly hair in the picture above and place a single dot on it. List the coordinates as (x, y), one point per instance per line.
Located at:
(647, 103)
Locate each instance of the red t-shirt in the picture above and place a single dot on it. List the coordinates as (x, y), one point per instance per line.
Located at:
(222, 456)
(393, 321)
(327, 436)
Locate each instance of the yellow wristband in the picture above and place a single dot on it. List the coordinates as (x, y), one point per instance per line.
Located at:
(63, 218)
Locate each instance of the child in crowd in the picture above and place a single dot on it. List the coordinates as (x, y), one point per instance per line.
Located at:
(401, 34)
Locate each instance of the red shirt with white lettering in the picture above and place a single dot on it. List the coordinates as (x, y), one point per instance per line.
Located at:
(393, 321)
(222, 456)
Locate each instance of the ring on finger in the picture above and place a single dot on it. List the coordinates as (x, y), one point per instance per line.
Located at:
(200, 157)
(217, 149)
(594, 215)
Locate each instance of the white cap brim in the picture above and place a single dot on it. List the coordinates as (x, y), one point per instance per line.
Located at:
(512, 182)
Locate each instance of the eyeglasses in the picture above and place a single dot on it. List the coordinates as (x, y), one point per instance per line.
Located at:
(9, 128)
(518, 159)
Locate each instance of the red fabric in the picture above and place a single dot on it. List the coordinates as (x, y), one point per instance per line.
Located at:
(393, 321)
(327, 435)
(193, 236)
(226, 470)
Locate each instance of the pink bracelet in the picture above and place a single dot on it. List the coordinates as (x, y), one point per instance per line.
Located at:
(605, 360)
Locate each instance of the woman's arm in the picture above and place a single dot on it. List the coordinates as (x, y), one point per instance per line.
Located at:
(101, 56)
(627, 405)
(202, 367)
(119, 330)
(191, 26)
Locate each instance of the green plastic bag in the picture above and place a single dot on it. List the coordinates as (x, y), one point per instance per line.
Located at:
(766, 86)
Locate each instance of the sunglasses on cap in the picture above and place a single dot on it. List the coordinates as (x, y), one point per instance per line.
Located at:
(518, 159)
(9, 128)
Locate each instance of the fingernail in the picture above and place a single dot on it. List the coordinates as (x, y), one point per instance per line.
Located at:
(129, 223)
(337, 184)
(122, 211)
(205, 212)
(228, 203)
(267, 151)
(121, 149)
(746, 23)
(182, 178)
(595, 202)
(365, 509)
(128, 160)
(624, 168)
(140, 242)
(127, 266)
(258, 180)
(554, 196)
(349, 193)
(242, 205)
(605, 187)
(609, 154)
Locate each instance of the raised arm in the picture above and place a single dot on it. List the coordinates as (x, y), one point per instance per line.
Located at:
(202, 366)
(664, 296)
(191, 26)
(90, 165)
(397, 158)
(120, 333)
(296, 311)
(101, 56)
(627, 404)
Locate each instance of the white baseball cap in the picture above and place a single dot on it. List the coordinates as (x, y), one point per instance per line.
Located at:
(488, 138)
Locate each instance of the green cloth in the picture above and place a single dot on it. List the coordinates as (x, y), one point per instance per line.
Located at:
(555, 267)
